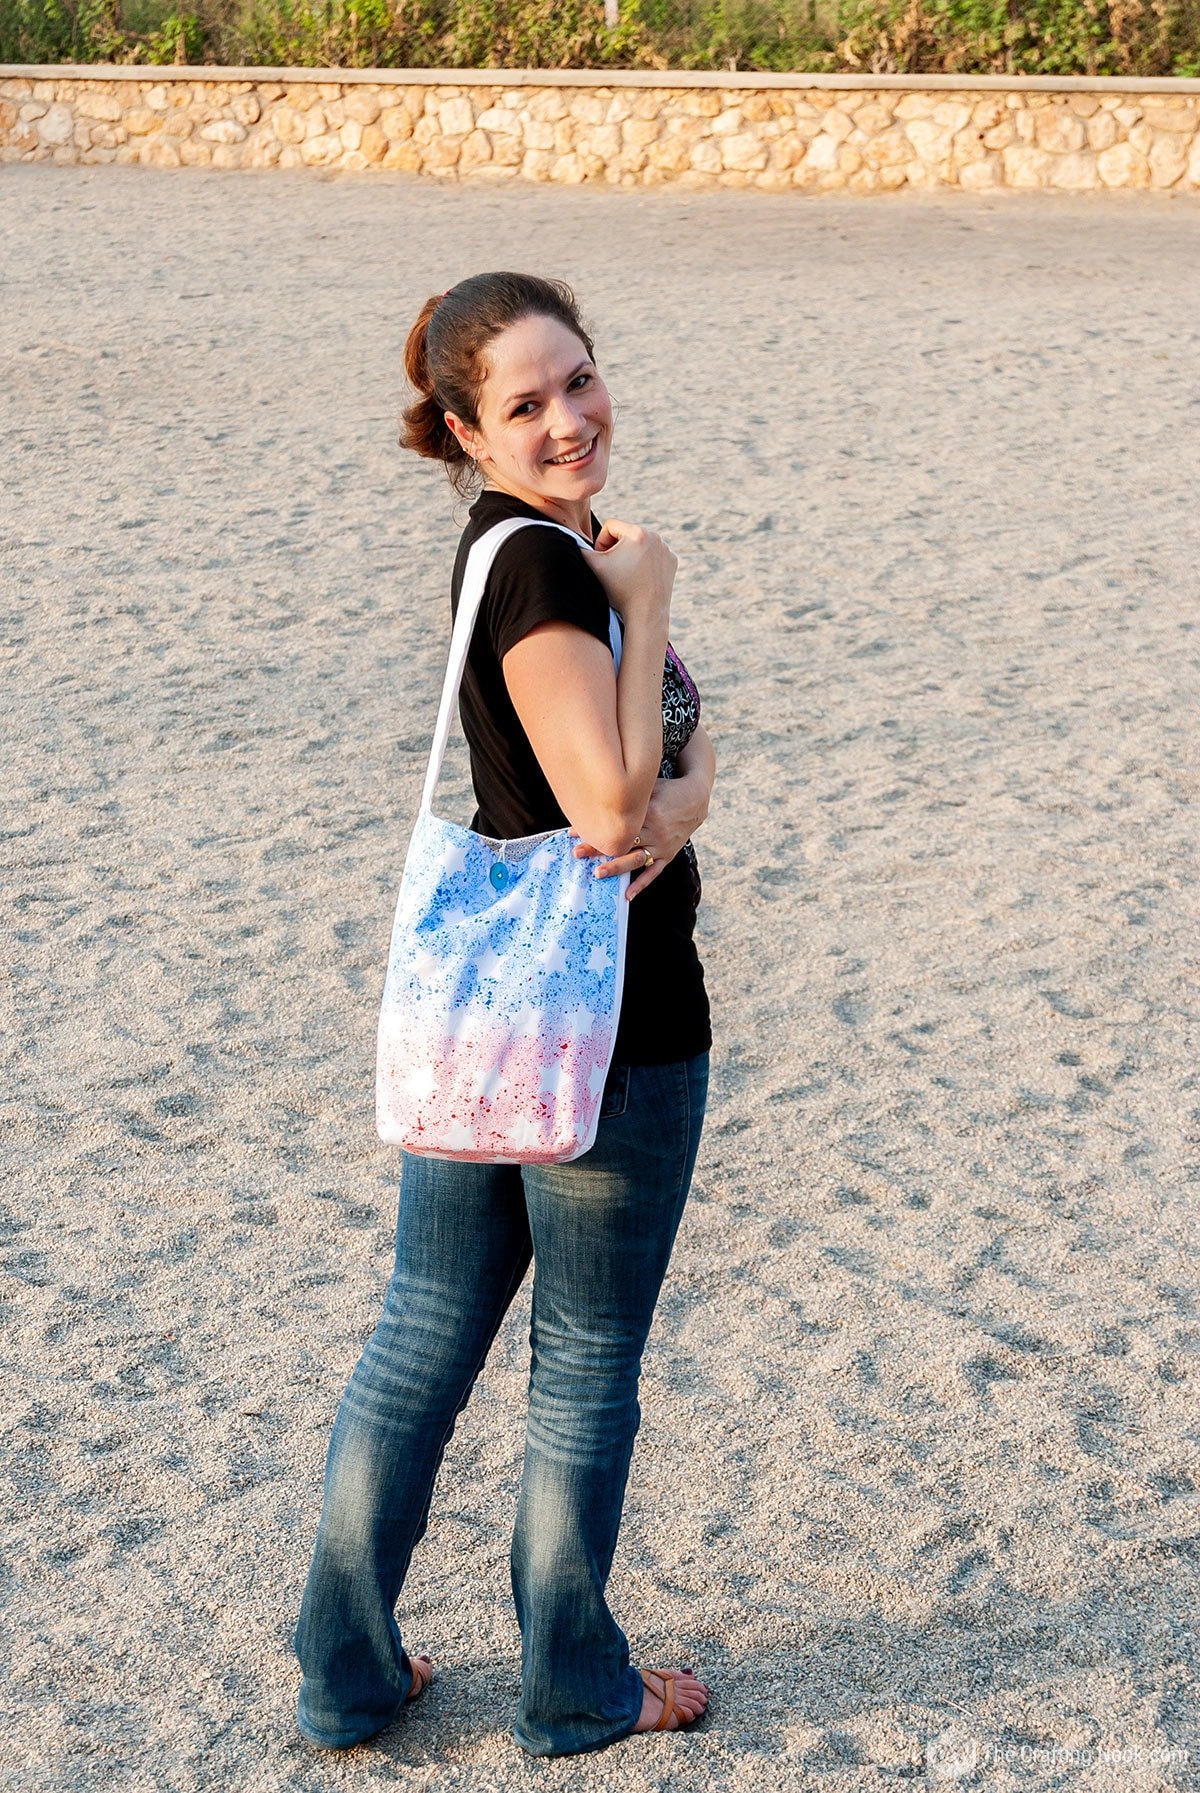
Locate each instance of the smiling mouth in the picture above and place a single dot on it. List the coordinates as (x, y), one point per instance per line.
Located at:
(578, 454)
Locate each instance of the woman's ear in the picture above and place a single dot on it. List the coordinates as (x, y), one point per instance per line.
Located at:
(458, 428)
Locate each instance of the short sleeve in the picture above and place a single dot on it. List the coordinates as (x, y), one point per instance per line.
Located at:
(540, 575)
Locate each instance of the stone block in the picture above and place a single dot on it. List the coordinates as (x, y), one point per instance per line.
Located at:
(500, 122)
(141, 122)
(1141, 137)
(987, 113)
(1075, 171)
(362, 105)
(952, 114)
(602, 140)
(507, 152)
(195, 155)
(546, 104)
(930, 140)
(57, 126)
(396, 124)
(350, 134)
(97, 105)
(1180, 120)
(1168, 159)
(538, 133)
(568, 169)
(1001, 134)
(705, 157)
(788, 151)
(1101, 131)
(728, 123)
(320, 151)
(837, 124)
(1025, 166)
(246, 108)
(822, 153)
(745, 150)
(161, 153)
(889, 150)
(672, 154)
(374, 144)
(404, 157)
(587, 107)
(287, 124)
(315, 122)
(1058, 130)
(1123, 166)
(475, 151)
(223, 130)
(636, 133)
(871, 119)
(227, 155)
(977, 177)
(915, 105)
(443, 153)
(456, 117)
(1084, 105)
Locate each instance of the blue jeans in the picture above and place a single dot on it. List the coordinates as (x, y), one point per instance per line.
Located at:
(600, 1232)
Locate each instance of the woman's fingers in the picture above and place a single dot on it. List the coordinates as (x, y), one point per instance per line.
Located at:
(633, 862)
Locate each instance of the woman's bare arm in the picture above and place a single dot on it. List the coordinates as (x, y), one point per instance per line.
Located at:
(597, 734)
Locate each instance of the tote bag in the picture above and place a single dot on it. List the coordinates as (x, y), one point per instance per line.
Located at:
(504, 976)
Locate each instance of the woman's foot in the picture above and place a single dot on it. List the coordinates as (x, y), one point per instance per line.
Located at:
(673, 1697)
(422, 1669)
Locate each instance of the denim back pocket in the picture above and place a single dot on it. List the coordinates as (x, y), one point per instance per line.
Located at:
(616, 1091)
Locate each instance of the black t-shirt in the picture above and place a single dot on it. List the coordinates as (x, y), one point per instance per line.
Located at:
(541, 575)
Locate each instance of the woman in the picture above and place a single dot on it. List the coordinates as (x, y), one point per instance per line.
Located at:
(509, 391)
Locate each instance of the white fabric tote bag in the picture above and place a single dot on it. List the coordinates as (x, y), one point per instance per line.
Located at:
(503, 987)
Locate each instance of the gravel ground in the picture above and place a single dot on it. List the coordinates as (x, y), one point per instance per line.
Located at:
(918, 1463)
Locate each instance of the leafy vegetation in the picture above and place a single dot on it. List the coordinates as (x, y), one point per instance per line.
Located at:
(1055, 37)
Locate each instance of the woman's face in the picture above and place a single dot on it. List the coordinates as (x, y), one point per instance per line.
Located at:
(541, 401)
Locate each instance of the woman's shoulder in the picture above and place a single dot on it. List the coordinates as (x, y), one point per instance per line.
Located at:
(539, 574)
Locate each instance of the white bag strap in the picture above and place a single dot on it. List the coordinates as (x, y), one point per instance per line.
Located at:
(479, 563)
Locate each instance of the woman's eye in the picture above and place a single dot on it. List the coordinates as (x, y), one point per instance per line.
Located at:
(529, 401)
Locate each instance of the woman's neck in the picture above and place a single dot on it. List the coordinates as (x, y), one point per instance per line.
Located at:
(576, 516)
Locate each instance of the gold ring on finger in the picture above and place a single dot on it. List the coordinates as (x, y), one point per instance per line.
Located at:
(649, 857)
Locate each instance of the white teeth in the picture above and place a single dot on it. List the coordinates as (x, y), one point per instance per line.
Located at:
(564, 460)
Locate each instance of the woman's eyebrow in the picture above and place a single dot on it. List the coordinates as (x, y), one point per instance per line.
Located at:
(518, 396)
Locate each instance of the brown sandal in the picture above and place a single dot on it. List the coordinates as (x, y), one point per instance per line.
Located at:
(422, 1670)
(666, 1694)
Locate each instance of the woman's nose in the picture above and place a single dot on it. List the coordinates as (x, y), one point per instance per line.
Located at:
(565, 418)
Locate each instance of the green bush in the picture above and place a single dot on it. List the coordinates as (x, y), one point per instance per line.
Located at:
(1039, 37)
(1055, 37)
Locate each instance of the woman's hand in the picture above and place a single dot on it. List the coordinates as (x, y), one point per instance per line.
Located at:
(677, 807)
(635, 567)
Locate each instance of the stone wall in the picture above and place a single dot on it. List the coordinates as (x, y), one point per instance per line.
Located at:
(861, 133)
